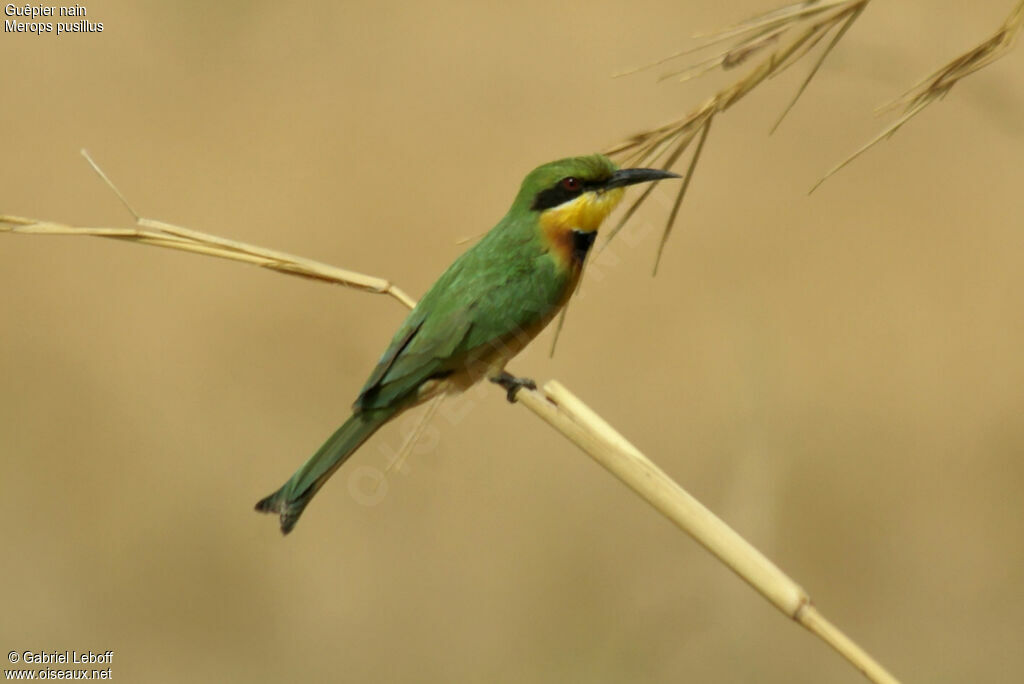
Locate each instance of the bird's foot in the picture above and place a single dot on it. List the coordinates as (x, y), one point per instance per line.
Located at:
(512, 384)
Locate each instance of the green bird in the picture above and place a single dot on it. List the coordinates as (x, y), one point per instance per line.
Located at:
(481, 312)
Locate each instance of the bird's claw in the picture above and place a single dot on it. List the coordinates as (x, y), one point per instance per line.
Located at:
(512, 384)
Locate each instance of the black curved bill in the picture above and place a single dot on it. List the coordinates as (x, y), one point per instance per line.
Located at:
(624, 177)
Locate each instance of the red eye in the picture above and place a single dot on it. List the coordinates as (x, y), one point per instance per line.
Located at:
(572, 184)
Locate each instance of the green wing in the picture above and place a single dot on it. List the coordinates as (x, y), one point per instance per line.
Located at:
(504, 283)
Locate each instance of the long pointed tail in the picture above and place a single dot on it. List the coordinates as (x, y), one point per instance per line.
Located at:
(291, 499)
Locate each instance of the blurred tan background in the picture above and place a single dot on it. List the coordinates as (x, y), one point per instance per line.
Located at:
(839, 376)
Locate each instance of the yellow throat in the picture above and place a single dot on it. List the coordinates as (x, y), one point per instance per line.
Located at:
(585, 213)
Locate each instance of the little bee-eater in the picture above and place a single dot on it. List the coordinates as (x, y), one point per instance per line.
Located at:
(481, 312)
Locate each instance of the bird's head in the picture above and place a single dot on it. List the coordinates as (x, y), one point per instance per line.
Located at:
(578, 193)
(571, 197)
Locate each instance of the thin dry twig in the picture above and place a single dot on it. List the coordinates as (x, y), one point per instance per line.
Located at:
(934, 87)
(397, 463)
(792, 31)
(555, 404)
(161, 234)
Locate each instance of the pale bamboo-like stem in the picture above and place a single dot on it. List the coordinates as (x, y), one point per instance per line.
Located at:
(564, 410)
(561, 409)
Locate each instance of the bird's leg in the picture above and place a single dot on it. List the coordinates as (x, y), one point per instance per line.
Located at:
(512, 384)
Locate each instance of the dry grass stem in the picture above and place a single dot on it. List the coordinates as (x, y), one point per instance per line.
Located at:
(938, 84)
(561, 409)
(397, 463)
(787, 34)
(161, 234)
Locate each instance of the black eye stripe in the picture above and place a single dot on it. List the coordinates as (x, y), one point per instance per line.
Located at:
(557, 194)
